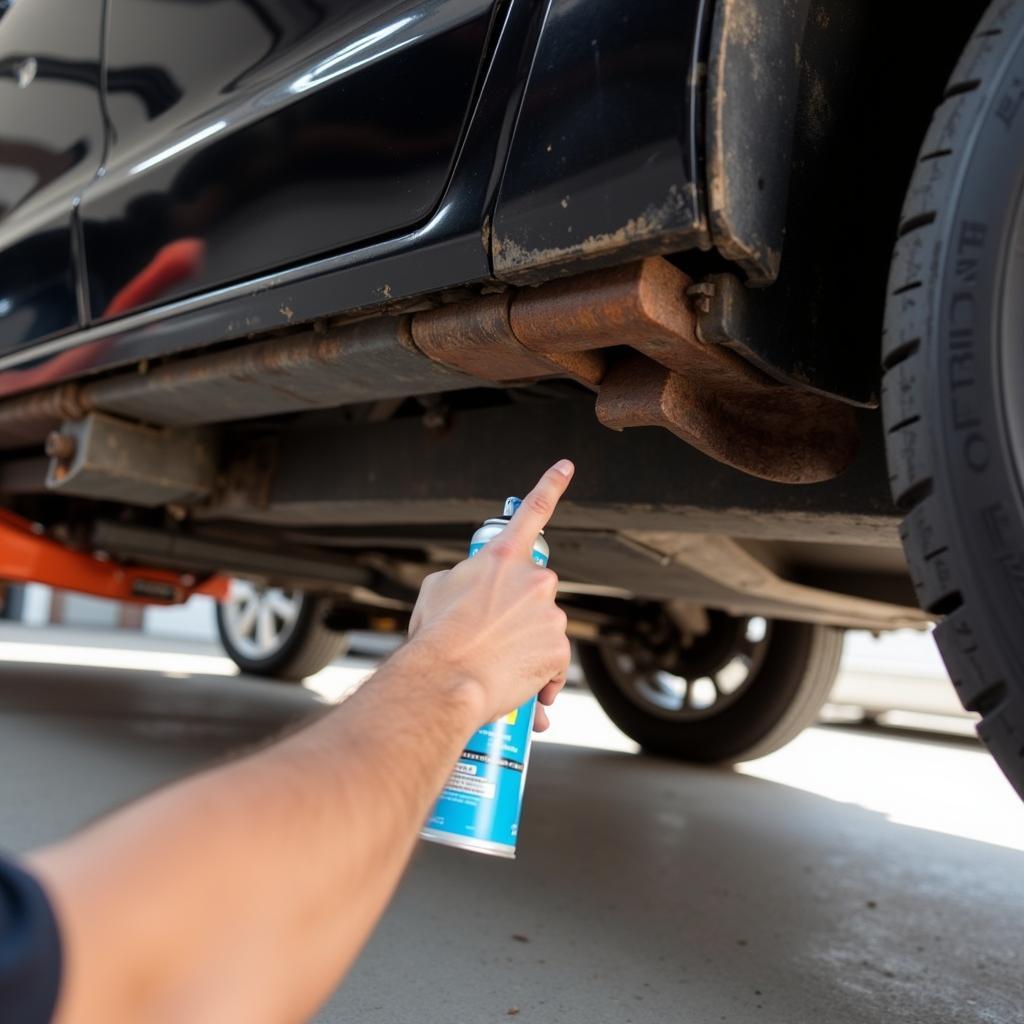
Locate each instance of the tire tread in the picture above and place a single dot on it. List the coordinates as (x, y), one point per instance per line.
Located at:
(933, 554)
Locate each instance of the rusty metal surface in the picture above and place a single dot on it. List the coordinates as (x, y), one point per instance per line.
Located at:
(113, 460)
(773, 432)
(643, 305)
(754, 72)
(703, 393)
(477, 338)
(28, 419)
(359, 362)
(637, 304)
(60, 446)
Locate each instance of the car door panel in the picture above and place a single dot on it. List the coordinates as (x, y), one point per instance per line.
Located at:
(250, 135)
(606, 153)
(51, 145)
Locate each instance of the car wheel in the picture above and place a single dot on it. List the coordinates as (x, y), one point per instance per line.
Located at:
(268, 631)
(742, 689)
(953, 390)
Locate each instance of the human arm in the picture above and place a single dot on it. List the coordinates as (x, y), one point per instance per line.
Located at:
(245, 892)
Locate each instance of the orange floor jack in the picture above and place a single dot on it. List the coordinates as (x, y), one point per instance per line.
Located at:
(28, 557)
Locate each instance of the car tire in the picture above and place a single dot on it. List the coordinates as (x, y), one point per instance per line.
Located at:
(300, 650)
(790, 678)
(953, 386)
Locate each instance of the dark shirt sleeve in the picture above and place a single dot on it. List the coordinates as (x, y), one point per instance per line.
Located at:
(30, 954)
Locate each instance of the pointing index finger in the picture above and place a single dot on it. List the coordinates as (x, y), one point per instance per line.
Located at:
(539, 505)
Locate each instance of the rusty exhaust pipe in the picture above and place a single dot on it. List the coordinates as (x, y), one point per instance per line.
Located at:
(629, 333)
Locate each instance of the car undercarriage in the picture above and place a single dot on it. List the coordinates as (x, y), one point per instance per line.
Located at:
(305, 313)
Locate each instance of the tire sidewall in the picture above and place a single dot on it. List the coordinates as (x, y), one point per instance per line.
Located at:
(720, 737)
(977, 482)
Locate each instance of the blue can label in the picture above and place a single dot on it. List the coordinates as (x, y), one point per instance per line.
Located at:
(538, 556)
(484, 794)
(480, 804)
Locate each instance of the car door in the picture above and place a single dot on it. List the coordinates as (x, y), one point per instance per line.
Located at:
(250, 135)
(51, 145)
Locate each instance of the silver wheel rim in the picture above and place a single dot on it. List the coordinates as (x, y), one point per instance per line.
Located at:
(690, 697)
(259, 620)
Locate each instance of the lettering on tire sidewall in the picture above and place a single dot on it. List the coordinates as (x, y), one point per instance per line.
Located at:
(981, 483)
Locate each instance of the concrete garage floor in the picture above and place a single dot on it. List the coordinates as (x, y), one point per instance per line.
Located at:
(644, 892)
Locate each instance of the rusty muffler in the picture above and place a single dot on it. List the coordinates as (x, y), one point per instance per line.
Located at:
(705, 394)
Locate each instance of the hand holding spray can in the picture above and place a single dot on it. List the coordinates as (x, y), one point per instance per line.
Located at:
(480, 804)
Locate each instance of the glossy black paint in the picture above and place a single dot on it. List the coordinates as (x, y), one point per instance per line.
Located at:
(51, 144)
(267, 133)
(449, 249)
(605, 154)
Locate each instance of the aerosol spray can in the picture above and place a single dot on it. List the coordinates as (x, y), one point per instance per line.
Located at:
(480, 804)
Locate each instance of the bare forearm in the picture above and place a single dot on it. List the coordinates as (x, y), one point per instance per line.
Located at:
(262, 879)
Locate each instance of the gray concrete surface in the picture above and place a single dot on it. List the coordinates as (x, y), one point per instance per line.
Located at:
(645, 893)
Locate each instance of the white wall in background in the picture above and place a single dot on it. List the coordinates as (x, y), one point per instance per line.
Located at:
(899, 671)
(36, 609)
(907, 651)
(193, 620)
(83, 611)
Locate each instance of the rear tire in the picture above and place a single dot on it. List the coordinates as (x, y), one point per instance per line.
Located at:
(953, 390)
(299, 647)
(790, 680)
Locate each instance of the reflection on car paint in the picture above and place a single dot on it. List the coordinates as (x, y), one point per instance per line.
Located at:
(313, 129)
